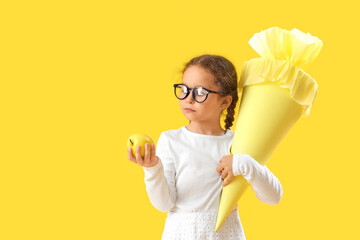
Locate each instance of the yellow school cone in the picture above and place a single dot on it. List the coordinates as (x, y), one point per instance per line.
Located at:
(276, 92)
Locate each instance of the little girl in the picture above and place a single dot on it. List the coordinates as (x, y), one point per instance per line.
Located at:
(184, 176)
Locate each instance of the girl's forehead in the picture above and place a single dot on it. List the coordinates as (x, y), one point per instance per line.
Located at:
(197, 76)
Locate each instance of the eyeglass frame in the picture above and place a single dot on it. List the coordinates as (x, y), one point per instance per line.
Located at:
(193, 92)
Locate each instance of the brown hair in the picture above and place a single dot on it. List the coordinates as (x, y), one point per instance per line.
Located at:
(225, 78)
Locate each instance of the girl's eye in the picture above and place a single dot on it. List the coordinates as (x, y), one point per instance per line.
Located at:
(183, 90)
(201, 92)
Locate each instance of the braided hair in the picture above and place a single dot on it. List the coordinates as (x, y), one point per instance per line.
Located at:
(225, 78)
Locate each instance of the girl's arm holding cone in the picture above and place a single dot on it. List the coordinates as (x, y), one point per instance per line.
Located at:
(265, 184)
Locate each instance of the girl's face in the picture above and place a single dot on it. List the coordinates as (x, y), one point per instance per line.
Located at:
(209, 110)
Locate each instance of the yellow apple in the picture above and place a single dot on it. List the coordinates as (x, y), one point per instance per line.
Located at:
(139, 139)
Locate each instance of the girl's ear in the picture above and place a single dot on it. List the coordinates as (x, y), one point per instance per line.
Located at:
(226, 102)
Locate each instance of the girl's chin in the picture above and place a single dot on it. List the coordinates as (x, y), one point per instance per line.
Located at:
(189, 117)
(188, 112)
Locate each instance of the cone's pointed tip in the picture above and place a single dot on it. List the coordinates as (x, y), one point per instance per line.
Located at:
(218, 225)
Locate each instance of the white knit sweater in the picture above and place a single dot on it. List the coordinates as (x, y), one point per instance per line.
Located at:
(185, 179)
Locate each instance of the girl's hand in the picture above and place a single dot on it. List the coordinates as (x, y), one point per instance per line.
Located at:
(225, 169)
(148, 160)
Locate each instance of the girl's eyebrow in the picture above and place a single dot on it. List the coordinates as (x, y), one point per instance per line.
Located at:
(195, 86)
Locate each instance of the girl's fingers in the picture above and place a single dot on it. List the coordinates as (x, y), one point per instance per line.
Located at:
(219, 169)
(139, 159)
(147, 155)
(227, 180)
(131, 156)
(224, 173)
(153, 151)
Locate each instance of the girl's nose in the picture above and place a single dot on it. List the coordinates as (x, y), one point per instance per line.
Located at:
(189, 98)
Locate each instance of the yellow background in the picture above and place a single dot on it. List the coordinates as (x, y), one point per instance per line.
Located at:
(79, 77)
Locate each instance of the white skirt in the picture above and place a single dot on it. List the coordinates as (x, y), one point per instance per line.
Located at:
(199, 225)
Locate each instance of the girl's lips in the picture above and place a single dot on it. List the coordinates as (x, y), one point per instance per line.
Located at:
(188, 109)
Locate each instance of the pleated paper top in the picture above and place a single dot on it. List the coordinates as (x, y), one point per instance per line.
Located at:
(284, 55)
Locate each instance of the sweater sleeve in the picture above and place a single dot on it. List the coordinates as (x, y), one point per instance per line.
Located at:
(265, 184)
(160, 179)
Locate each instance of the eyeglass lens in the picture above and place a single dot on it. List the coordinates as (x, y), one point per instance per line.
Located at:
(200, 94)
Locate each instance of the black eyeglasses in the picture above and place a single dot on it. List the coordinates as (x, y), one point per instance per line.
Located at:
(199, 94)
